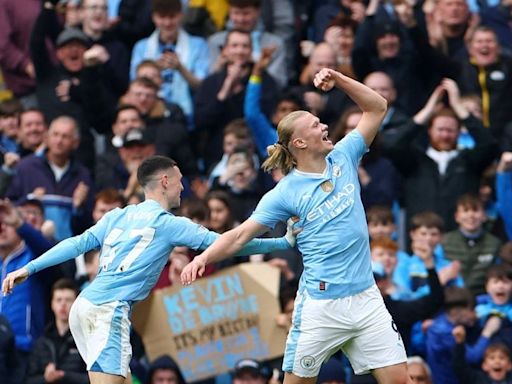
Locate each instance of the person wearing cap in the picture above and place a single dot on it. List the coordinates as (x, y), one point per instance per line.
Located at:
(249, 371)
(119, 170)
(164, 370)
(75, 85)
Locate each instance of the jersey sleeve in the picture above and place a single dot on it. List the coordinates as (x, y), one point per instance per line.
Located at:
(192, 235)
(65, 250)
(70, 248)
(272, 208)
(351, 147)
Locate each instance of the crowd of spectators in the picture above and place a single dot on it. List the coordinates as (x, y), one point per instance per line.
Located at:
(90, 88)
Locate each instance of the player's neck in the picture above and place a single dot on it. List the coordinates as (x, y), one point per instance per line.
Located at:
(311, 164)
(159, 198)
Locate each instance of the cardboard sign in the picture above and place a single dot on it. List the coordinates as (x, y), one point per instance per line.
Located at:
(211, 324)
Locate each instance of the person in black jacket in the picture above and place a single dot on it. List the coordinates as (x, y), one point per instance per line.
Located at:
(55, 357)
(437, 174)
(7, 352)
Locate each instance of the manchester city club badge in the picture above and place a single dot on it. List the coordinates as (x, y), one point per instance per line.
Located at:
(327, 186)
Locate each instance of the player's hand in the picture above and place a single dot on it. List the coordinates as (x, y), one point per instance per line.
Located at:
(291, 233)
(13, 279)
(193, 269)
(325, 79)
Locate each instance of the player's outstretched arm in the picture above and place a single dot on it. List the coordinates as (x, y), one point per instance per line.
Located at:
(227, 245)
(372, 104)
(65, 250)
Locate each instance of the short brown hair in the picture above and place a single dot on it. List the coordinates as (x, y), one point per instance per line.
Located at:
(444, 112)
(146, 83)
(195, 208)
(379, 214)
(166, 7)
(245, 3)
(236, 30)
(427, 219)
(498, 347)
(238, 128)
(64, 283)
(469, 201)
(458, 297)
(499, 271)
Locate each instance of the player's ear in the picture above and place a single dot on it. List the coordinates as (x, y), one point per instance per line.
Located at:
(299, 143)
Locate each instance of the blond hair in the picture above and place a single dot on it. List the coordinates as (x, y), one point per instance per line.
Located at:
(279, 154)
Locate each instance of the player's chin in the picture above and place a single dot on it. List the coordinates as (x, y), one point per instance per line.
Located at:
(328, 145)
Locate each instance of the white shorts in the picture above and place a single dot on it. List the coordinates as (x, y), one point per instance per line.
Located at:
(359, 325)
(102, 335)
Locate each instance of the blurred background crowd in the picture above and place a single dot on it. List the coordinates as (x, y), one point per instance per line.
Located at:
(90, 88)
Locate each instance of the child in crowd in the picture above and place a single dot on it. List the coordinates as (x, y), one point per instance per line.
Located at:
(381, 225)
(428, 226)
(471, 244)
(458, 316)
(496, 367)
(384, 251)
(497, 301)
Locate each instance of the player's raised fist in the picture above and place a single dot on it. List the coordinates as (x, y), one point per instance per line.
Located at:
(325, 79)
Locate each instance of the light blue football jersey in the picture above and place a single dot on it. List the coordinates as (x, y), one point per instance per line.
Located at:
(334, 241)
(135, 245)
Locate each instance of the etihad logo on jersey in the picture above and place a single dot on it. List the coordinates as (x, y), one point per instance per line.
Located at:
(334, 205)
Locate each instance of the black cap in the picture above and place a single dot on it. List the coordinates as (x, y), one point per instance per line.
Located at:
(30, 199)
(382, 29)
(136, 136)
(248, 366)
(72, 34)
